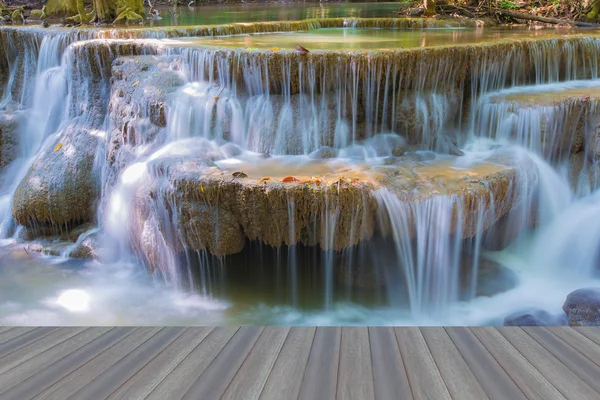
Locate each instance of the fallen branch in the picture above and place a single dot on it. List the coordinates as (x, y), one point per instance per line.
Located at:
(530, 17)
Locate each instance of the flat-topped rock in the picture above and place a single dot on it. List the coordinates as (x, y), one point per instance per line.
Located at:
(218, 203)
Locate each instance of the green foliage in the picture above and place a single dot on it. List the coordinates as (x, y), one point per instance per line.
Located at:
(506, 4)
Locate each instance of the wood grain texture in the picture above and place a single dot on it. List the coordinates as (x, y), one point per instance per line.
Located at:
(320, 376)
(215, 379)
(389, 374)
(590, 332)
(579, 342)
(11, 333)
(250, 379)
(148, 377)
(179, 381)
(355, 379)
(37, 347)
(561, 377)
(457, 375)
(490, 375)
(571, 358)
(425, 379)
(525, 376)
(83, 375)
(286, 376)
(24, 339)
(33, 376)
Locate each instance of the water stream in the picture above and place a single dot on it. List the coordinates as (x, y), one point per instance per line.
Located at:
(418, 184)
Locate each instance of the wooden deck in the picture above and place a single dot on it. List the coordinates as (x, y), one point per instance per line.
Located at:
(299, 363)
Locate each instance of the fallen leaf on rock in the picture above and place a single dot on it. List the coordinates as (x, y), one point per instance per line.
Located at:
(202, 188)
(290, 179)
(239, 175)
(266, 178)
(274, 49)
(58, 146)
(136, 83)
(216, 98)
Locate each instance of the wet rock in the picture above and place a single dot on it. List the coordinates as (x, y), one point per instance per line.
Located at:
(583, 307)
(388, 144)
(534, 317)
(231, 150)
(10, 123)
(323, 153)
(492, 277)
(60, 188)
(88, 248)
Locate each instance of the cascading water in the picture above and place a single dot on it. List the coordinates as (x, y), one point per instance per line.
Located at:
(196, 180)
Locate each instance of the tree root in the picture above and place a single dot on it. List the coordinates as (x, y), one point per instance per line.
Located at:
(127, 15)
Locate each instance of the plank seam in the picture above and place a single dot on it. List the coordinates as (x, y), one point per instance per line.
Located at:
(275, 362)
(143, 366)
(435, 362)
(371, 358)
(307, 360)
(403, 363)
(337, 375)
(500, 365)
(597, 362)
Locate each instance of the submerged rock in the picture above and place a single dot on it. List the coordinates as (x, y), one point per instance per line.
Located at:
(88, 248)
(492, 278)
(534, 317)
(60, 188)
(583, 307)
(324, 152)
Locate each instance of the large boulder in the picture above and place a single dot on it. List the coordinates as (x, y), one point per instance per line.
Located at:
(583, 307)
(60, 188)
(534, 317)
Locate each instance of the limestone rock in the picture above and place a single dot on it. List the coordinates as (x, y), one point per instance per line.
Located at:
(583, 307)
(492, 277)
(60, 189)
(88, 248)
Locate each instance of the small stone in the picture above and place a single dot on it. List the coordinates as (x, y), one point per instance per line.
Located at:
(323, 153)
(534, 317)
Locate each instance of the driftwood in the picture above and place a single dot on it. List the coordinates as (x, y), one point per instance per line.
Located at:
(530, 17)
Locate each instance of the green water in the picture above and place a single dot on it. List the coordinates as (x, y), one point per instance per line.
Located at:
(375, 39)
(226, 14)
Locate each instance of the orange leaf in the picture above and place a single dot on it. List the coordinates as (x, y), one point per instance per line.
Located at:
(289, 179)
(274, 49)
(216, 98)
(58, 146)
(266, 178)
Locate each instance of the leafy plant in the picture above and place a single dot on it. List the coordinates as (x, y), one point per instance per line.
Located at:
(506, 4)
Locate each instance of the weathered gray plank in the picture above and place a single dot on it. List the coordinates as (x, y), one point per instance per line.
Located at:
(590, 332)
(578, 341)
(286, 375)
(110, 380)
(355, 380)
(14, 332)
(320, 375)
(457, 375)
(37, 347)
(250, 379)
(23, 340)
(4, 328)
(574, 360)
(178, 382)
(76, 380)
(215, 379)
(389, 375)
(423, 374)
(147, 378)
(561, 377)
(492, 378)
(31, 377)
(530, 381)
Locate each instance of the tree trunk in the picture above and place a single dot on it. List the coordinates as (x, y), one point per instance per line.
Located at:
(108, 10)
(429, 7)
(61, 8)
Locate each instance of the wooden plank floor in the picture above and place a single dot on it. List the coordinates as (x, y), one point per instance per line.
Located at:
(299, 363)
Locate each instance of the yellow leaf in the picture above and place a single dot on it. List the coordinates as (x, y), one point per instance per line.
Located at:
(58, 146)
(216, 98)
(202, 188)
(274, 49)
(136, 83)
